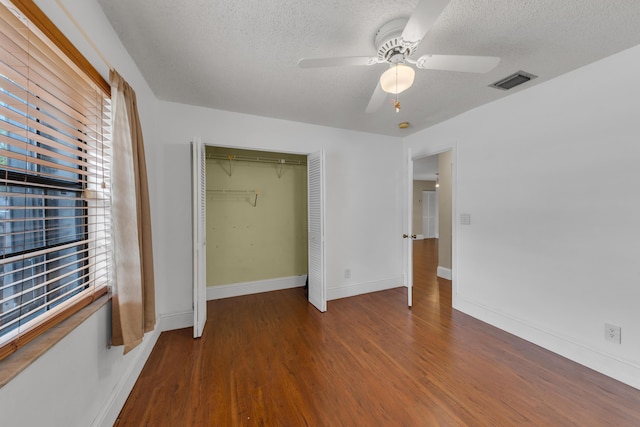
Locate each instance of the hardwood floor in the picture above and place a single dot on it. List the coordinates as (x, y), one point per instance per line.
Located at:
(272, 360)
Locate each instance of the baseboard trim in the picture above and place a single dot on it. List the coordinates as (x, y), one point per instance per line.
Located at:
(444, 272)
(364, 288)
(170, 322)
(248, 288)
(110, 411)
(611, 366)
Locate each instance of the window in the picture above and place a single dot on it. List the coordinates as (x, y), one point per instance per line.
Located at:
(54, 182)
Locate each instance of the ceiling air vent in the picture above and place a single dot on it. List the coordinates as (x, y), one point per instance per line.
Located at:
(513, 80)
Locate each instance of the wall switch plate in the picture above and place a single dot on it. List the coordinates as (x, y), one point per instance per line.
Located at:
(612, 333)
(347, 273)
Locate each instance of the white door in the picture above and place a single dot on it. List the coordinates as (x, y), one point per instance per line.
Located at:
(429, 212)
(199, 198)
(315, 190)
(408, 238)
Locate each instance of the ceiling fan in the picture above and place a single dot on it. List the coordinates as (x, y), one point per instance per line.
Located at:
(396, 41)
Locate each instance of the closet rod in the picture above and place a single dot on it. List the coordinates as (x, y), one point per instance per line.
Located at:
(256, 159)
(233, 191)
(256, 193)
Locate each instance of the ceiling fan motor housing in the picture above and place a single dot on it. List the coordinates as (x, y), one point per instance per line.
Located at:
(390, 44)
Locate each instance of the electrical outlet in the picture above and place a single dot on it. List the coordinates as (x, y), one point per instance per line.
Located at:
(612, 333)
(347, 273)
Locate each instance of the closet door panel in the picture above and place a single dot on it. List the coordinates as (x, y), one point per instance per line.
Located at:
(316, 202)
(199, 199)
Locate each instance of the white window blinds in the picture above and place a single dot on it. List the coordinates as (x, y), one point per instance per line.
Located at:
(54, 183)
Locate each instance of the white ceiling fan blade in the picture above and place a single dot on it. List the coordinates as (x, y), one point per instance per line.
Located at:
(464, 63)
(337, 62)
(423, 19)
(377, 99)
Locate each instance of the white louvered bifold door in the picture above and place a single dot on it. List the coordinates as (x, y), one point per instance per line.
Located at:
(199, 194)
(315, 179)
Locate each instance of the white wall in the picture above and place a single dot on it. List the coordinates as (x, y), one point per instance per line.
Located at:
(550, 177)
(80, 381)
(363, 183)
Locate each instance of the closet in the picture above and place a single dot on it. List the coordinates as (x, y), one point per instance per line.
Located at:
(256, 216)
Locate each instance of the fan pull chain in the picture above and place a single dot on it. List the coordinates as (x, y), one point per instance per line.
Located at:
(396, 102)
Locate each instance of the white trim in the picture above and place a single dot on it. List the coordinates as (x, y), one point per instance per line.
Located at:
(170, 322)
(364, 288)
(419, 237)
(111, 409)
(248, 288)
(607, 364)
(444, 272)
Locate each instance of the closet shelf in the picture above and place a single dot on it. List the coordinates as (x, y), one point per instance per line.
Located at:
(278, 162)
(254, 193)
(256, 159)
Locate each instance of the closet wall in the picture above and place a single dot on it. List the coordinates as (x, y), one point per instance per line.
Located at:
(256, 216)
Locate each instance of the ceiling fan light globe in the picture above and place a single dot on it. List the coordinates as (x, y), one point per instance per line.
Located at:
(397, 78)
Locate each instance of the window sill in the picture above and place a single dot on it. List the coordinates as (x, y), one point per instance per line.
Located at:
(12, 365)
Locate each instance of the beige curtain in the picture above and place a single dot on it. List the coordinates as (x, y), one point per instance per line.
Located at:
(133, 303)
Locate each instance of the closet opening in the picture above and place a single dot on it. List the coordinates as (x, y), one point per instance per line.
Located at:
(256, 221)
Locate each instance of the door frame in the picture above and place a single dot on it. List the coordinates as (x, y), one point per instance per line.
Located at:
(198, 295)
(420, 154)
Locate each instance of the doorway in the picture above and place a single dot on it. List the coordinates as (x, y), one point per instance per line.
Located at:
(437, 170)
(244, 229)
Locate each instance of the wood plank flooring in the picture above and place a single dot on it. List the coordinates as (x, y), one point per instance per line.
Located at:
(273, 360)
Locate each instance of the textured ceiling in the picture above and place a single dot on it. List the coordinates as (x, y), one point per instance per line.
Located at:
(241, 55)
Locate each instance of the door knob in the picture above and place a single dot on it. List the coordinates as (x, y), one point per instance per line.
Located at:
(404, 236)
